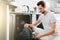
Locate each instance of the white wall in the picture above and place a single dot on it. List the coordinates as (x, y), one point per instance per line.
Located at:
(30, 3)
(3, 14)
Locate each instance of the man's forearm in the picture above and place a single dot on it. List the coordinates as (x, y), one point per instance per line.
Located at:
(49, 33)
(53, 26)
(31, 25)
(34, 24)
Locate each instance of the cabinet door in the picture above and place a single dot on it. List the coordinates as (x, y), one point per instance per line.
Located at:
(20, 21)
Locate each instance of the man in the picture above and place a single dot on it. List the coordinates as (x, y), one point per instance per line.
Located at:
(47, 19)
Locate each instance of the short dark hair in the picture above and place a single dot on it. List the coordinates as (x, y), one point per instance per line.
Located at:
(42, 3)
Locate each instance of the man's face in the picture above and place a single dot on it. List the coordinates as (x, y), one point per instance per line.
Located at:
(41, 9)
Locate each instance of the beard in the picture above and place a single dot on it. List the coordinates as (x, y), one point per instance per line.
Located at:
(43, 12)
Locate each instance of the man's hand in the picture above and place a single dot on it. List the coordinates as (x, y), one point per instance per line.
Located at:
(26, 25)
(38, 36)
(32, 25)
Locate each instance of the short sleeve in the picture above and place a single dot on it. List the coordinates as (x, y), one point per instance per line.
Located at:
(52, 19)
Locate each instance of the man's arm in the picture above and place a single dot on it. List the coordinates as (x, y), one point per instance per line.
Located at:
(53, 26)
(34, 24)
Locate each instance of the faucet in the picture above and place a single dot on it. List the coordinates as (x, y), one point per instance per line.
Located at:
(27, 7)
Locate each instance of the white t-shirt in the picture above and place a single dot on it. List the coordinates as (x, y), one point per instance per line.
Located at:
(46, 21)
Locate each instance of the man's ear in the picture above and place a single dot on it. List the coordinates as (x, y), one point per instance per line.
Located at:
(44, 6)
